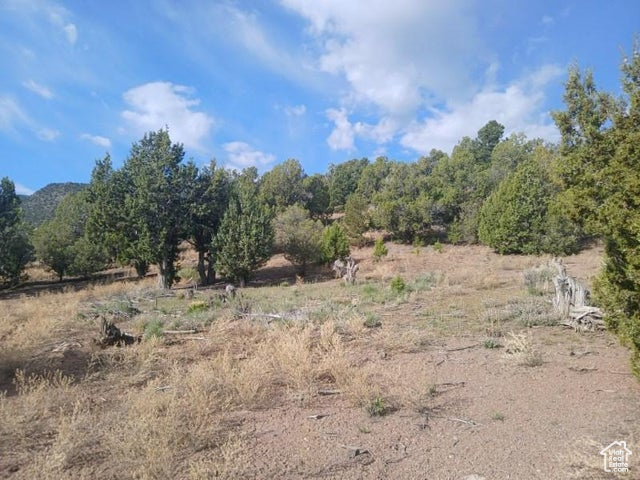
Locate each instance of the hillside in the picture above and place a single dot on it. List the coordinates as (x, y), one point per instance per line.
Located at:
(463, 373)
(41, 206)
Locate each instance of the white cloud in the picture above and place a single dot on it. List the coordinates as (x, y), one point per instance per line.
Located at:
(48, 134)
(97, 140)
(38, 89)
(343, 135)
(241, 155)
(71, 32)
(158, 104)
(295, 111)
(547, 20)
(11, 114)
(518, 107)
(395, 55)
(22, 190)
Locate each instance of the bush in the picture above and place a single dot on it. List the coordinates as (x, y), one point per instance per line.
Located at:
(519, 216)
(380, 250)
(335, 244)
(299, 237)
(398, 285)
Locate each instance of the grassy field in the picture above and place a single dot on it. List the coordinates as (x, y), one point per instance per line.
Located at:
(433, 365)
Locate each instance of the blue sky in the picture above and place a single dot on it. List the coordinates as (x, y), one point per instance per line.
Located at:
(255, 83)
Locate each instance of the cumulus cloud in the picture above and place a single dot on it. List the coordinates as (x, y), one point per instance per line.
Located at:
(48, 134)
(518, 107)
(412, 65)
(395, 55)
(38, 89)
(97, 140)
(241, 155)
(158, 104)
(343, 135)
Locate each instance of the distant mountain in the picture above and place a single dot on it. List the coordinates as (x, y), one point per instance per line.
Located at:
(41, 206)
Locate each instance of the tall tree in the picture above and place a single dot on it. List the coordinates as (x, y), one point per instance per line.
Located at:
(282, 185)
(245, 238)
(15, 248)
(208, 197)
(599, 166)
(343, 181)
(316, 189)
(156, 201)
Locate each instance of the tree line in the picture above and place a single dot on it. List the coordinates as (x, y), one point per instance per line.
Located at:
(514, 194)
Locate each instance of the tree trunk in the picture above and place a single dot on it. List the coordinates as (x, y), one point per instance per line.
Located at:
(201, 268)
(162, 274)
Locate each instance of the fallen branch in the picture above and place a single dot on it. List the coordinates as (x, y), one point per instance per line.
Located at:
(329, 392)
(318, 416)
(462, 348)
(179, 332)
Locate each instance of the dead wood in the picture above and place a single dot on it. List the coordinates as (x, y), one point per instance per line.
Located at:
(571, 301)
(111, 335)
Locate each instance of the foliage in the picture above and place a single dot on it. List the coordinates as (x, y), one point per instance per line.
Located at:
(380, 250)
(343, 181)
(283, 186)
(139, 212)
(356, 218)
(40, 206)
(335, 244)
(61, 243)
(398, 285)
(245, 238)
(517, 218)
(599, 168)
(299, 237)
(207, 200)
(15, 248)
(316, 189)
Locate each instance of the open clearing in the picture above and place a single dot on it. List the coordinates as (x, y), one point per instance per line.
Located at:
(463, 372)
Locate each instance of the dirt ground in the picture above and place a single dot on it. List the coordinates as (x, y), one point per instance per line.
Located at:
(462, 375)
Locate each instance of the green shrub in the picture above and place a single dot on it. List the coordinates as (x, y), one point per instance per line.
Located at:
(335, 244)
(153, 328)
(380, 250)
(398, 285)
(437, 247)
(197, 307)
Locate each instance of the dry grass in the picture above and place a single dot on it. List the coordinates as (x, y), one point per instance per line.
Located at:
(175, 408)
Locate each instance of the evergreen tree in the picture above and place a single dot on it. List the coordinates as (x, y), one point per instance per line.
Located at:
(15, 248)
(298, 237)
(245, 238)
(156, 202)
(600, 147)
(208, 197)
(518, 218)
(335, 244)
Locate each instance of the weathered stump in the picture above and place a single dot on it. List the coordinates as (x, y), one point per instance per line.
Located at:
(111, 335)
(572, 300)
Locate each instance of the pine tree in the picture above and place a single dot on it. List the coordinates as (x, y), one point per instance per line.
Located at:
(15, 248)
(245, 238)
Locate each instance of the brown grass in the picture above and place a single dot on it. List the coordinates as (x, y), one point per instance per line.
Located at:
(175, 408)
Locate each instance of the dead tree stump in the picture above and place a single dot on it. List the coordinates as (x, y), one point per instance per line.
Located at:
(347, 269)
(111, 335)
(571, 301)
